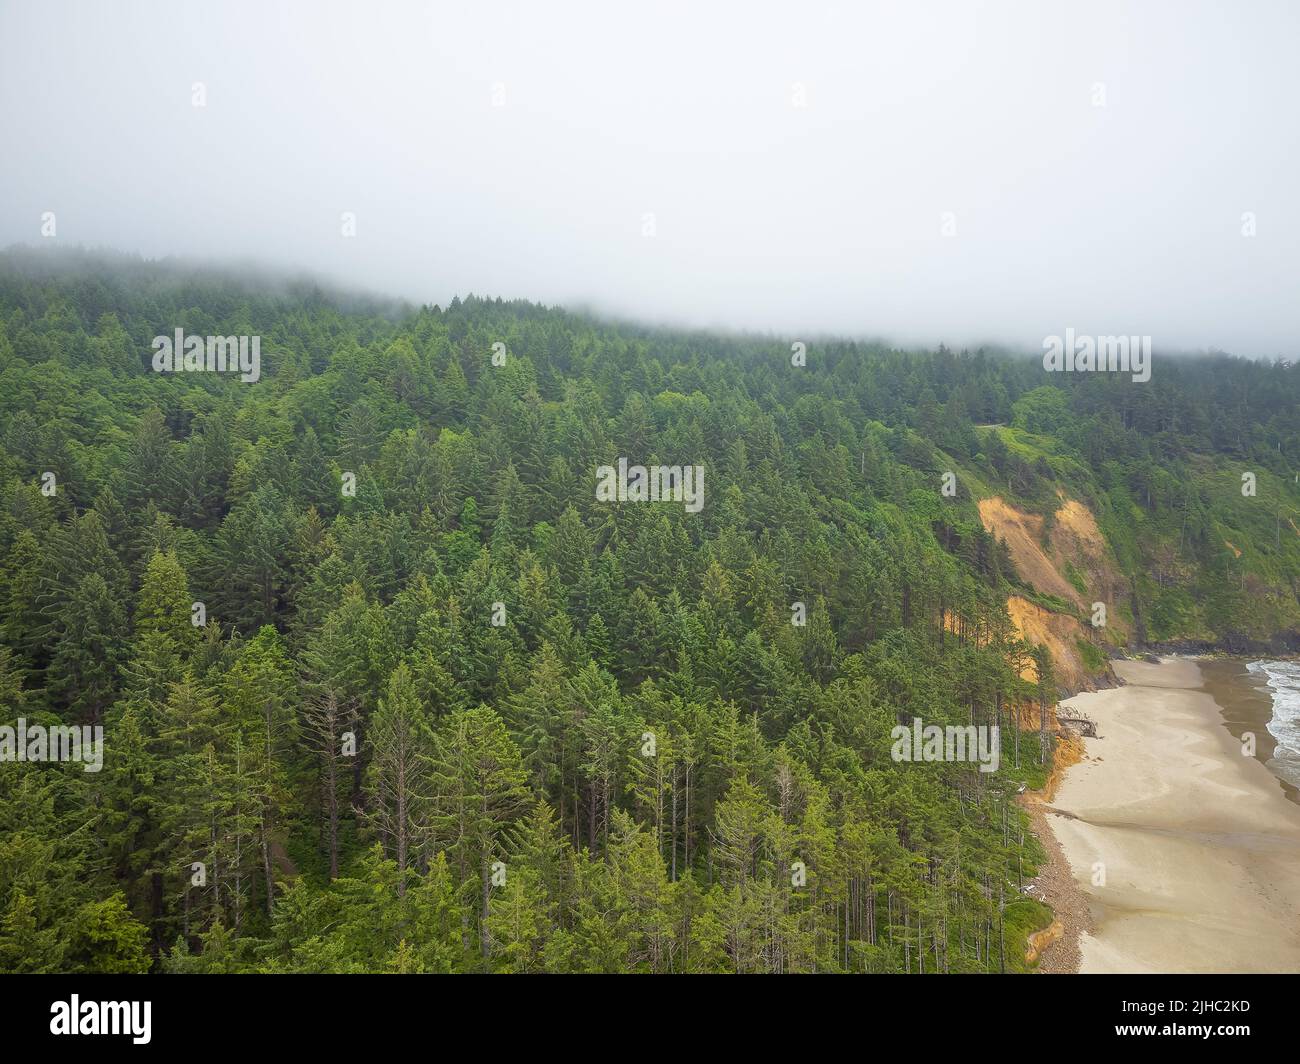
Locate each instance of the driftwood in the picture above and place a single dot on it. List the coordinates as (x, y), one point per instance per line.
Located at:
(1077, 722)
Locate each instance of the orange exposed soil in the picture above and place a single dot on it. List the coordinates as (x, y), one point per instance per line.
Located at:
(1057, 632)
(1040, 559)
(1078, 519)
(1040, 940)
(1022, 532)
(1073, 537)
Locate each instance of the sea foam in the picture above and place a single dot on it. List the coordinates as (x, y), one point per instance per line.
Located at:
(1283, 680)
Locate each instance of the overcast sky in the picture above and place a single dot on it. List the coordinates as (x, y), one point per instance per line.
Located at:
(797, 159)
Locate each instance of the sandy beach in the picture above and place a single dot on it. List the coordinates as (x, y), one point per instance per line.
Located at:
(1186, 851)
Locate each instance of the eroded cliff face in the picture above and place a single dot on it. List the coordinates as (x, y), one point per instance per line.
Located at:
(1072, 551)
(1023, 534)
(1075, 538)
(1060, 633)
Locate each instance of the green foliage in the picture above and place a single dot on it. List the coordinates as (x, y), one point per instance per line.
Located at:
(1075, 577)
(413, 734)
(1093, 656)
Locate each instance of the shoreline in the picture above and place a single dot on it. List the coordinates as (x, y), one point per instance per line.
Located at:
(1057, 946)
(1168, 849)
(1246, 705)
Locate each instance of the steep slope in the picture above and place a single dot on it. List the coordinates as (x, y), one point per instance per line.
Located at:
(1075, 546)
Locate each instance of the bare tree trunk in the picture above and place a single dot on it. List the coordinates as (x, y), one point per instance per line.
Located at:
(266, 866)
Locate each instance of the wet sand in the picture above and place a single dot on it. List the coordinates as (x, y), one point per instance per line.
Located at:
(1187, 851)
(1246, 705)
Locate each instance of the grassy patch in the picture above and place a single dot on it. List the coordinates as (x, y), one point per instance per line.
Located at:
(1075, 577)
(1021, 918)
(1093, 656)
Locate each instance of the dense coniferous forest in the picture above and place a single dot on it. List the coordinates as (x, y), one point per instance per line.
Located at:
(467, 717)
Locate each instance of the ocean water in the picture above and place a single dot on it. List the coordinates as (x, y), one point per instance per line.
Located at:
(1283, 681)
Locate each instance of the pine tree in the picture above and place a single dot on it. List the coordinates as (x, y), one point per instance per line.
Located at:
(84, 669)
(164, 604)
(400, 741)
(478, 785)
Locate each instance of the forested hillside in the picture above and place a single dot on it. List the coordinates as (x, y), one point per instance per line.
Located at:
(384, 686)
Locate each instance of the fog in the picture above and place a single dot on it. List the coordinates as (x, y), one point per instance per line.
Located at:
(916, 171)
